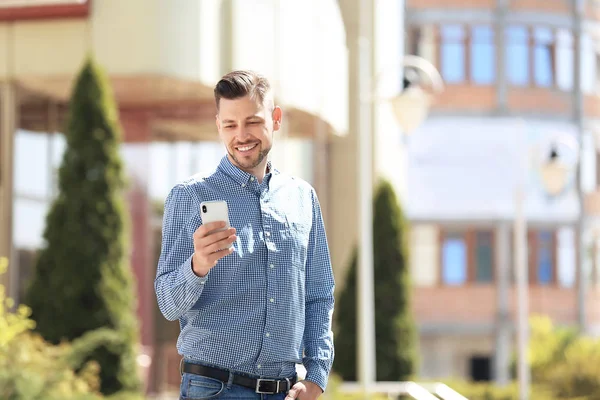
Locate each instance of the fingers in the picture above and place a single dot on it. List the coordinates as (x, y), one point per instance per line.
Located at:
(217, 255)
(205, 229)
(220, 245)
(294, 392)
(203, 240)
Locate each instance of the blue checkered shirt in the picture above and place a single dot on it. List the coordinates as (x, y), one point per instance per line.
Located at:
(269, 304)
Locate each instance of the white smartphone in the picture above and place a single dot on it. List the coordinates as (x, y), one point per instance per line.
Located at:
(215, 211)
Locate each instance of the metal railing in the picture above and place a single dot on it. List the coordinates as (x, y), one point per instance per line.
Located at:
(418, 391)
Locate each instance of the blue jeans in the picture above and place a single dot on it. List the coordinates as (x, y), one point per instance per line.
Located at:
(197, 387)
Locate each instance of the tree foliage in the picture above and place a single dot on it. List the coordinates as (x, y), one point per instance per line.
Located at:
(396, 344)
(82, 279)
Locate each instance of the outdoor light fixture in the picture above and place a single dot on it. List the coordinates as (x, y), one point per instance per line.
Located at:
(555, 169)
(422, 82)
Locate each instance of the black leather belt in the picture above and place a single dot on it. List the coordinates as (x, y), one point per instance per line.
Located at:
(260, 385)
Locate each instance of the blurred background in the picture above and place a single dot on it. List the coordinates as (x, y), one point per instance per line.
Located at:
(492, 170)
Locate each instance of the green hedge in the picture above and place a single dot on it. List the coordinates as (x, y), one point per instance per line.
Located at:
(32, 368)
(564, 365)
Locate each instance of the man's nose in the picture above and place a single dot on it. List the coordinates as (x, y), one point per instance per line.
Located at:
(243, 132)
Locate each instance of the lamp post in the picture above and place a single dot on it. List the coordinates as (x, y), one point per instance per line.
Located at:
(554, 172)
(410, 108)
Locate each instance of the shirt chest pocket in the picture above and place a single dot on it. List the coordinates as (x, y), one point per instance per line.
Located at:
(295, 235)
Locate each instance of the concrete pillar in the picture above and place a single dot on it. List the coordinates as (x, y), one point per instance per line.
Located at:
(503, 321)
(227, 33)
(136, 133)
(343, 179)
(8, 127)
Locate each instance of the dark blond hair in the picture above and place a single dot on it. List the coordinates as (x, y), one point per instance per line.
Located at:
(241, 83)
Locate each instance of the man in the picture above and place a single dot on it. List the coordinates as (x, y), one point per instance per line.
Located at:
(252, 311)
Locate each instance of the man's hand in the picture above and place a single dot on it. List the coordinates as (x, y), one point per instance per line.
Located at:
(210, 247)
(304, 390)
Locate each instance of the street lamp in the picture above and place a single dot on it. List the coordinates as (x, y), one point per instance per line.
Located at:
(554, 171)
(411, 106)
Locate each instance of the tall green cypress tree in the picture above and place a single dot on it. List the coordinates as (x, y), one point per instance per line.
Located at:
(396, 336)
(82, 279)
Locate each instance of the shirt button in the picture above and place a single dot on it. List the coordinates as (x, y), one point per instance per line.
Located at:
(272, 266)
(258, 366)
(252, 178)
(268, 334)
(243, 185)
(272, 300)
(268, 233)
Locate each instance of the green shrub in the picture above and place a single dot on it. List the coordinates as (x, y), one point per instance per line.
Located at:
(564, 365)
(562, 360)
(31, 368)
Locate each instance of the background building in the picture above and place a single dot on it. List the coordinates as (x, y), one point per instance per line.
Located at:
(510, 72)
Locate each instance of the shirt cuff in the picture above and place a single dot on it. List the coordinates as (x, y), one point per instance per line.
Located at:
(190, 277)
(317, 375)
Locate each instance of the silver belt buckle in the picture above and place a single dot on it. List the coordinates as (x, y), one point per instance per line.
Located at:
(258, 382)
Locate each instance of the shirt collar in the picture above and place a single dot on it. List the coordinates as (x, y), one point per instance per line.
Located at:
(242, 177)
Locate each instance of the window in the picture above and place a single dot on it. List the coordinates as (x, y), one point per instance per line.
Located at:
(545, 257)
(484, 257)
(517, 55)
(483, 55)
(588, 64)
(25, 264)
(596, 72)
(467, 257)
(542, 257)
(424, 254)
(453, 53)
(564, 59)
(454, 259)
(543, 55)
(566, 256)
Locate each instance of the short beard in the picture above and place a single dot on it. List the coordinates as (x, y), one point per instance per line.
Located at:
(261, 156)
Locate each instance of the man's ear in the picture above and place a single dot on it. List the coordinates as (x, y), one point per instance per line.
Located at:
(217, 122)
(277, 117)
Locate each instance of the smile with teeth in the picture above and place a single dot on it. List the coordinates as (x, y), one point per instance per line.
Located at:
(246, 148)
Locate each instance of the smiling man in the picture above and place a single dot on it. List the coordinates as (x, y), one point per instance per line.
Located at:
(251, 312)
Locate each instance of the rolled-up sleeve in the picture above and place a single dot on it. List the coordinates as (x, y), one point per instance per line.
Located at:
(320, 285)
(177, 287)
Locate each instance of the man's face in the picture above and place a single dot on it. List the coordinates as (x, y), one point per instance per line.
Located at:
(246, 128)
